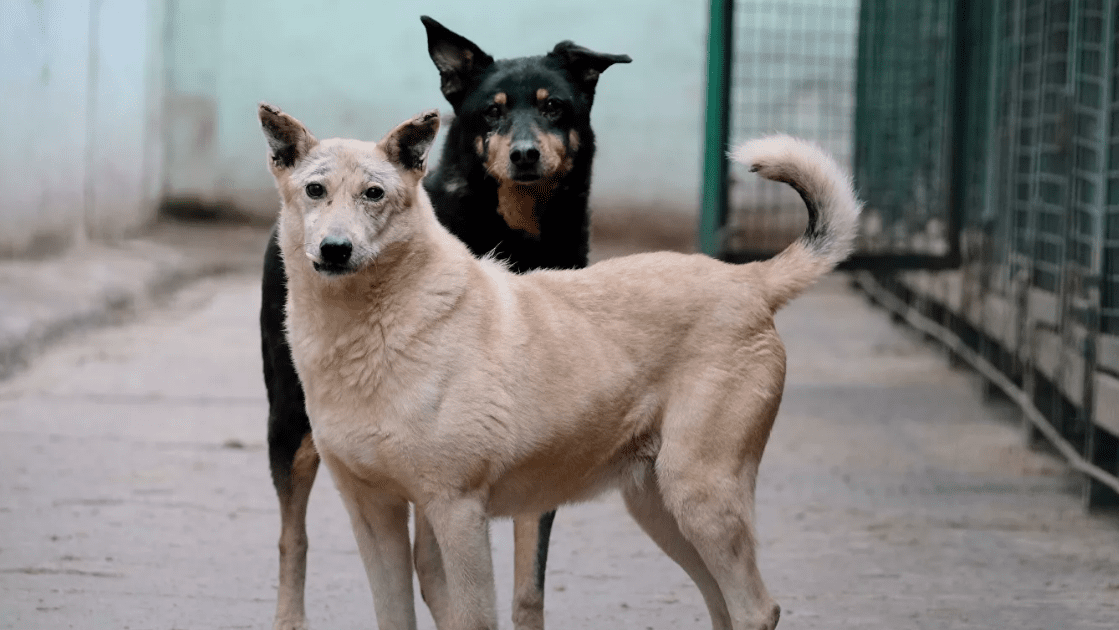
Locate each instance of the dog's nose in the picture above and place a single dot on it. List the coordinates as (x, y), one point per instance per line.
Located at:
(335, 250)
(524, 154)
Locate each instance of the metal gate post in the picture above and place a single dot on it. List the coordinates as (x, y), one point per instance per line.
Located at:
(1097, 495)
(720, 48)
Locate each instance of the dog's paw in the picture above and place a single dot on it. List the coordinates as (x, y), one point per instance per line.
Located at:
(290, 624)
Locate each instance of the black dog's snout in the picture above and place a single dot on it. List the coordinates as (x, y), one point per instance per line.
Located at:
(524, 154)
(336, 250)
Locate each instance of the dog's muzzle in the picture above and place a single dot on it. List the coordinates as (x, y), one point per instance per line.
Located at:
(335, 256)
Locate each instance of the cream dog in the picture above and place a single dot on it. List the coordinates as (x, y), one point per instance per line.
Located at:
(437, 379)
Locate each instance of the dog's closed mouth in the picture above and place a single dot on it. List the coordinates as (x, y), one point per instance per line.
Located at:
(527, 178)
(333, 269)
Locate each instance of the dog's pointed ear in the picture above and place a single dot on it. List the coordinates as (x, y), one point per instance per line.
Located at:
(457, 58)
(584, 64)
(288, 140)
(407, 146)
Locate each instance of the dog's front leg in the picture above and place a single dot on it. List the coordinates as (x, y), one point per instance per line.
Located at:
(380, 523)
(462, 530)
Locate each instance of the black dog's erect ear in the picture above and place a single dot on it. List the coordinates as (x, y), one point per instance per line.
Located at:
(457, 58)
(585, 64)
(287, 138)
(407, 145)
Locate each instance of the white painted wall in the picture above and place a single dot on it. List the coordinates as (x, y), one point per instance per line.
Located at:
(111, 107)
(80, 103)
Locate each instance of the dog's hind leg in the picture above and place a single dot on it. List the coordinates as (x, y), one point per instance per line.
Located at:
(294, 495)
(643, 500)
(530, 549)
(717, 521)
(429, 570)
(291, 453)
(712, 442)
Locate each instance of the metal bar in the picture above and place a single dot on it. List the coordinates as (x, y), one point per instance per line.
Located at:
(1067, 271)
(1022, 210)
(958, 165)
(1109, 229)
(987, 223)
(862, 118)
(1098, 495)
(996, 225)
(713, 211)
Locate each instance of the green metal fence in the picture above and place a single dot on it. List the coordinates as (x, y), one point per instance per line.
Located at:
(774, 66)
(904, 118)
(1024, 114)
(985, 143)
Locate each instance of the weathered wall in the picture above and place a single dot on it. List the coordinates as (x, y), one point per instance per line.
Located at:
(355, 68)
(112, 107)
(80, 103)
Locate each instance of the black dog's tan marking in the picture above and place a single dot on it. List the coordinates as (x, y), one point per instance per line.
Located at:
(542, 230)
(556, 152)
(516, 203)
(497, 156)
(516, 200)
(573, 140)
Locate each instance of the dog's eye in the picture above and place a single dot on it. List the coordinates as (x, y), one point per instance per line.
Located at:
(493, 112)
(374, 193)
(315, 191)
(552, 108)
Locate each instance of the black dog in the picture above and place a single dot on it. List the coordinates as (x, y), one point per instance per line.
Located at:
(520, 142)
(513, 181)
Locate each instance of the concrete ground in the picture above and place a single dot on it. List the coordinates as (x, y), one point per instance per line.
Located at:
(134, 493)
(96, 284)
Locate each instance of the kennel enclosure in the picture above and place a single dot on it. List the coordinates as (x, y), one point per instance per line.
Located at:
(984, 139)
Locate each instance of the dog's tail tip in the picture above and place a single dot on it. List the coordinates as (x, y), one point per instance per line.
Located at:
(769, 156)
(829, 196)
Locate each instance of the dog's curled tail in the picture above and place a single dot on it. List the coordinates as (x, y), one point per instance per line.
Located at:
(833, 211)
